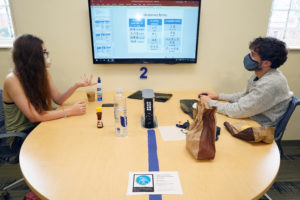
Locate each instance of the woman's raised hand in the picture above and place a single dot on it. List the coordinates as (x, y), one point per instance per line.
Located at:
(86, 81)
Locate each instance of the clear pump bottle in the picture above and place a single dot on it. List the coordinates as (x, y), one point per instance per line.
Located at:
(120, 113)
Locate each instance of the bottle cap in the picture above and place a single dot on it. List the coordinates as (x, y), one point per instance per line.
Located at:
(119, 90)
(99, 109)
(99, 80)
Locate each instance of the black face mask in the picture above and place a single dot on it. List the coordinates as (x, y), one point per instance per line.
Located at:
(250, 64)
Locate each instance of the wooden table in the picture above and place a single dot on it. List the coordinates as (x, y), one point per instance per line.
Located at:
(70, 158)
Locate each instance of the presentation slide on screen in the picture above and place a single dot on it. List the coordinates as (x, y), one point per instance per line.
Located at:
(143, 31)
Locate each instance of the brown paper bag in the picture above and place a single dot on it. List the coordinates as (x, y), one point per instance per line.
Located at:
(252, 134)
(200, 140)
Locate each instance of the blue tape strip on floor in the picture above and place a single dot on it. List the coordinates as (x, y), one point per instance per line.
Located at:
(152, 159)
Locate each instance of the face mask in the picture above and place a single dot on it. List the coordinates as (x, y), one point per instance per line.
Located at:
(250, 64)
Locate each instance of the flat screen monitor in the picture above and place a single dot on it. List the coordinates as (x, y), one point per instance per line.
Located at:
(144, 31)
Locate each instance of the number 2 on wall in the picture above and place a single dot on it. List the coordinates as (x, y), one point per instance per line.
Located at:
(143, 75)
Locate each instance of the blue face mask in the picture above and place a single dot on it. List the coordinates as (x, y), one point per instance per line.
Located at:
(250, 64)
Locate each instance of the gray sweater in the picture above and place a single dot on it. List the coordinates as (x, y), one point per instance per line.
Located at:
(265, 100)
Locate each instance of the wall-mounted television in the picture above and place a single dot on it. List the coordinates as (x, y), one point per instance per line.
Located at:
(144, 31)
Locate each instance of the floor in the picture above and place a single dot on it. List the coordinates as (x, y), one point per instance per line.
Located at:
(287, 183)
(9, 173)
(286, 186)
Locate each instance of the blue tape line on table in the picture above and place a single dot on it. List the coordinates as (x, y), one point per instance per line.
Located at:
(152, 159)
(152, 151)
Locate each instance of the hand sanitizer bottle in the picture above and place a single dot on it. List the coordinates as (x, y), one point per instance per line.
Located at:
(99, 90)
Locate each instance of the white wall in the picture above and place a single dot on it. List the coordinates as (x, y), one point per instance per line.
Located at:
(226, 28)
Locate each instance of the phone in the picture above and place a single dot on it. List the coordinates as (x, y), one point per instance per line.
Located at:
(108, 105)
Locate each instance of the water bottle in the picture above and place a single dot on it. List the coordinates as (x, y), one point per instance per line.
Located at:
(99, 90)
(120, 113)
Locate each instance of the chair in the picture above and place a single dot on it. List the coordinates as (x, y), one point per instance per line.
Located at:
(6, 154)
(280, 127)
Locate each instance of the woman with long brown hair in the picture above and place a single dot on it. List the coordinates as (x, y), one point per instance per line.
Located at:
(28, 90)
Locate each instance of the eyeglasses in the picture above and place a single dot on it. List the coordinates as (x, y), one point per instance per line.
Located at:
(46, 52)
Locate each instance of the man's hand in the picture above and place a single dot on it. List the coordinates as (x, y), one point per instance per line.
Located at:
(211, 95)
(205, 99)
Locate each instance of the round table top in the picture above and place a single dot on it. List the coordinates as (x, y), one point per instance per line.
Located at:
(70, 158)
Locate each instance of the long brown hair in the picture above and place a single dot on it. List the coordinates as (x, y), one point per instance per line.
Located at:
(31, 70)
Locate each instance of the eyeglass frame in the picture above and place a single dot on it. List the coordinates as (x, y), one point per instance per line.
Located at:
(46, 52)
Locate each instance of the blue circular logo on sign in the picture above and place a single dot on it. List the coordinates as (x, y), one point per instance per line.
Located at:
(143, 180)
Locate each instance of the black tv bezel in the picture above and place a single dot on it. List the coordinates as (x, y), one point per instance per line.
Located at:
(144, 60)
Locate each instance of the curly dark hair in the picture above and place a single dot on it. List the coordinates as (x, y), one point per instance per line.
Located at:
(270, 49)
(31, 70)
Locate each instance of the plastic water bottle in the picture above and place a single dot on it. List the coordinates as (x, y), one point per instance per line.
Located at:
(99, 90)
(120, 113)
